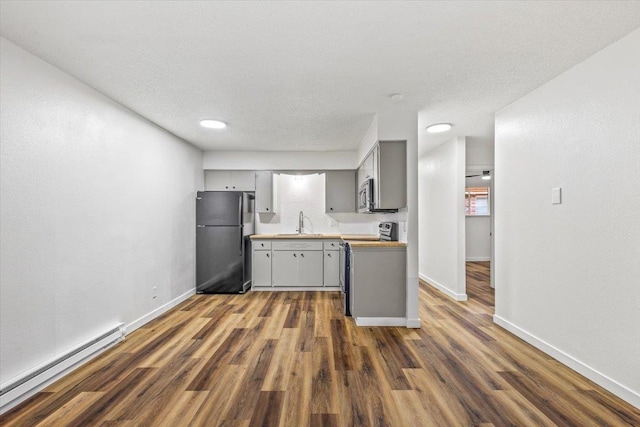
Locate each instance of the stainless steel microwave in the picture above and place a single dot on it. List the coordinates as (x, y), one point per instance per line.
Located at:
(365, 197)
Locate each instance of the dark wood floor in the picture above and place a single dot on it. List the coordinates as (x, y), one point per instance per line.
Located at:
(292, 359)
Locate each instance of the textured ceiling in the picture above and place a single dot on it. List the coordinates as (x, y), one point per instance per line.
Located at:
(311, 75)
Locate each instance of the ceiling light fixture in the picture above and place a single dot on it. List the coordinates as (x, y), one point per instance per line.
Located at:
(486, 175)
(396, 97)
(439, 127)
(212, 124)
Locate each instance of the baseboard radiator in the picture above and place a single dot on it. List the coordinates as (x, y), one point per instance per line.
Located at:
(18, 390)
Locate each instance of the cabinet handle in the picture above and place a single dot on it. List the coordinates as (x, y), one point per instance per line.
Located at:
(330, 209)
(302, 255)
(267, 209)
(329, 255)
(267, 255)
(226, 186)
(295, 256)
(234, 187)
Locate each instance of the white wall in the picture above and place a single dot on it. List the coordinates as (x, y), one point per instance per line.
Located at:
(403, 125)
(97, 207)
(280, 160)
(306, 193)
(478, 228)
(567, 275)
(479, 153)
(442, 219)
(478, 238)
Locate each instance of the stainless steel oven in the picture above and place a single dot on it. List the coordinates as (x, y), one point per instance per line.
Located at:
(365, 196)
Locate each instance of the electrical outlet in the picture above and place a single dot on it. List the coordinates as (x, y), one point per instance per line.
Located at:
(155, 292)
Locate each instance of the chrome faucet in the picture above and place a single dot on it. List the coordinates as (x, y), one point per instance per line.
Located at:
(300, 222)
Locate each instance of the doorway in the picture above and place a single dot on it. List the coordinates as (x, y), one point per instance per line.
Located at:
(479, 233)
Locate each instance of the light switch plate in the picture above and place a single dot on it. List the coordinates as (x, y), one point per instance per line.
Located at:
(556, 196)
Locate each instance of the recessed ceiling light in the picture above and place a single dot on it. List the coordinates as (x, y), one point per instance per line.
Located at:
(439, 127)
(212, 124)
(396, 97)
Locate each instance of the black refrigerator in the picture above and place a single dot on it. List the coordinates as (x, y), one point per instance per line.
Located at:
(223, 248)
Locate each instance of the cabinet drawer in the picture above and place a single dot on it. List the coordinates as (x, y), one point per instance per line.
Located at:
(297, 244)
(260, 245)
(331, 246)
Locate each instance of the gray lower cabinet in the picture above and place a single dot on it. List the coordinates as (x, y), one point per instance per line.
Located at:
(285, 268)
(309, 263)
(297, 268)
(261, 268)
(310, 268)
(331, 269)
(378, 282)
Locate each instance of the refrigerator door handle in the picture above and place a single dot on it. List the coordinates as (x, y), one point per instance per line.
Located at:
(241, 241)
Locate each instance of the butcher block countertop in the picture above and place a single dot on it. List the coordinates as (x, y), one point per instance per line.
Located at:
(355, 240)
(377, 244)
(349, 237)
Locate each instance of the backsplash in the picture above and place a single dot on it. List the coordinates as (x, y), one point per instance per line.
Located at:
(305, 193)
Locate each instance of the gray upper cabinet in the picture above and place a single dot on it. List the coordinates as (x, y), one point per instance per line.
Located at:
(386, 164)
(264, 192)
(219, 180)
(340, 191)
(390, 173)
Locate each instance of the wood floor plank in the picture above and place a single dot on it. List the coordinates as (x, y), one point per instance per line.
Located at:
(297, 400)
(293, 359)
(284, 356)
(243, 404)
(180, 411)
(343, 350)
(28, 411)
(324, 420)
(101, 408)
(71, 409)
(293, 316)
(268, 409)
(216, 403)
(207, 376)
(324, 390)
(151, 396)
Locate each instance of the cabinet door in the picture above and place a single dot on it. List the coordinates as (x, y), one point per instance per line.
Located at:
(340, 191)
(264, 192)
(331, 268)
(368, 166)
(310, 268)
(261, 268)
(243, 180)
(216, 180)
(360, 177)
(285, 268)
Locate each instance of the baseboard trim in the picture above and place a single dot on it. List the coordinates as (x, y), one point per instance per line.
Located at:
(294, 289)
(602, 380)
(413, 323)
(381, 321)
(159, 311)
(442, 288)
(24, 391)
(17, 391)
(478, 258)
